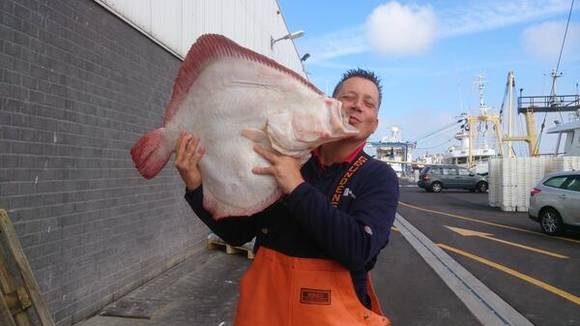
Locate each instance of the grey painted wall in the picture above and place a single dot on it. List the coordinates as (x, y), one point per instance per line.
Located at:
(78, 87)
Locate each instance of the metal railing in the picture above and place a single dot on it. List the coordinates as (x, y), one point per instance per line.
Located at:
(557, 103)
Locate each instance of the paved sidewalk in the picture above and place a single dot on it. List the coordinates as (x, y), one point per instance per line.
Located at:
(202, 290)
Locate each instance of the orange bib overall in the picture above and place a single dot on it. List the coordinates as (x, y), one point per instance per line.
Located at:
(282, 290)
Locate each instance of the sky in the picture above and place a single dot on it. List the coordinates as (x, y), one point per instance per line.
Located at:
(428, 55)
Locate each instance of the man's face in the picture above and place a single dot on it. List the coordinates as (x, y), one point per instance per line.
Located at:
(360, 98)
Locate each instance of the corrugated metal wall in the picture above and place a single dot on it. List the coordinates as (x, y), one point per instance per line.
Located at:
(176, 24)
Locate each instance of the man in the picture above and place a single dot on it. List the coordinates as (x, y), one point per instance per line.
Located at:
(316, 246)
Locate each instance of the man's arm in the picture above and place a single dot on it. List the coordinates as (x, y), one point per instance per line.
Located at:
(356, 238)
(234, 230)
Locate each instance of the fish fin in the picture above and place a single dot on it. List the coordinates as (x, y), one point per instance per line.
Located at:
(255, 135)
(207, 48)
(279, 131)
(306, 129)
(151, 152)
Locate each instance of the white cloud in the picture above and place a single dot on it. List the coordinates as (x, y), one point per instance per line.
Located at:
(394, 29)
(545, 40)
(390, 28)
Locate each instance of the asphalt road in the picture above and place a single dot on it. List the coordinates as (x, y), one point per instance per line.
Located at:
(536, 274)
(411, 293)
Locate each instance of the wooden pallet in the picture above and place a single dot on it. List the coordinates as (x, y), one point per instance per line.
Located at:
(214, 242)
(17, 300)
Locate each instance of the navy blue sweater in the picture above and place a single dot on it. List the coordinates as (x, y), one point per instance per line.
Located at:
(305, 224)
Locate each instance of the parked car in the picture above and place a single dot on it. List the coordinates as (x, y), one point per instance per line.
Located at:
(555, 202)
(437, 177)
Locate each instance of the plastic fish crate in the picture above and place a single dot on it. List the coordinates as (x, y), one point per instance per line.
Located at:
(570, 163)
(555, 165)
(493, 180)
(511, 179)
(507, 208)
(510, 175)
(522, 208)
(508, 196)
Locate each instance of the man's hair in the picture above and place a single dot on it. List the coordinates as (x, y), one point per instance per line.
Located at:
(361, 73)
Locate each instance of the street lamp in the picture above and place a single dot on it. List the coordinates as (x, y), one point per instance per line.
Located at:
(305, 57)
(290, 36)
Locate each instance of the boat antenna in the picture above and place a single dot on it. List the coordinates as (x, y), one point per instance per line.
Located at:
(480, 82)
(556, 74)
(565, 35)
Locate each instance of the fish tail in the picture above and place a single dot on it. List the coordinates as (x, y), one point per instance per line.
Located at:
(151, 152)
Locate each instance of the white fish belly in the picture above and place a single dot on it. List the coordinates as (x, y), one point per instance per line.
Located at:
(226, 99)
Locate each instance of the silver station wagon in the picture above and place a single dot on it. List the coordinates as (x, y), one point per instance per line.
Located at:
(555, 202)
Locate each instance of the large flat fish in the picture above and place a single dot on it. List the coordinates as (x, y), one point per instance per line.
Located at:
(232, 97)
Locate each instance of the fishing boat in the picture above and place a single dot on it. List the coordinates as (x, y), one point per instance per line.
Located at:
(571, 131)
(473, 151)
(458, 154)
(394, 151)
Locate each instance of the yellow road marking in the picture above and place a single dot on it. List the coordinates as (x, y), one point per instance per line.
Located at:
(487, 223)
(489, 236)
(566, 295)
(394, 228)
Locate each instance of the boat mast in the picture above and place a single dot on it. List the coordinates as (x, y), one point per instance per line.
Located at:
(530, 137)
(510, 86)
(484, 116)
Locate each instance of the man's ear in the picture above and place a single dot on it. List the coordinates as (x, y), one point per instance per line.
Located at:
(376, 125)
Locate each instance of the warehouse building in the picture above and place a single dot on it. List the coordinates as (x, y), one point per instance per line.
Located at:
(80, 82)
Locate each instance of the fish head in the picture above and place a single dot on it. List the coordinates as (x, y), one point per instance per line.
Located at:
(306, 126)
(328, 123)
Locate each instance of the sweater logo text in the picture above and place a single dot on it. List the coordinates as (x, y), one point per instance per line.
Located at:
(340, 188)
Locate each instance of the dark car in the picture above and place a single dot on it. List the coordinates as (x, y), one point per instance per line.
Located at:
(437, 177)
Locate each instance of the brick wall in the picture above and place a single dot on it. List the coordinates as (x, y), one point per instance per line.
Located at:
(78, 87)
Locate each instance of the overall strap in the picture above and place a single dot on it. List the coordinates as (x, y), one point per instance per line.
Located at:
(350, 172)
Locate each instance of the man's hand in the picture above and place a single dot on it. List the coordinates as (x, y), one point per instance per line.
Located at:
(284, 169)
(188, 153)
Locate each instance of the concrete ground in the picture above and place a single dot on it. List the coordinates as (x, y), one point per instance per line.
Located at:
(201, 290)
(417, 283)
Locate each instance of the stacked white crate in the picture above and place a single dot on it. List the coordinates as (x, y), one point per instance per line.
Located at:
(509, 183)
(571, 163)
(510, 180)
(565, 163)
(530, 175)
(523, 179)
(554, 165)
(493, 180)
(538, 172)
